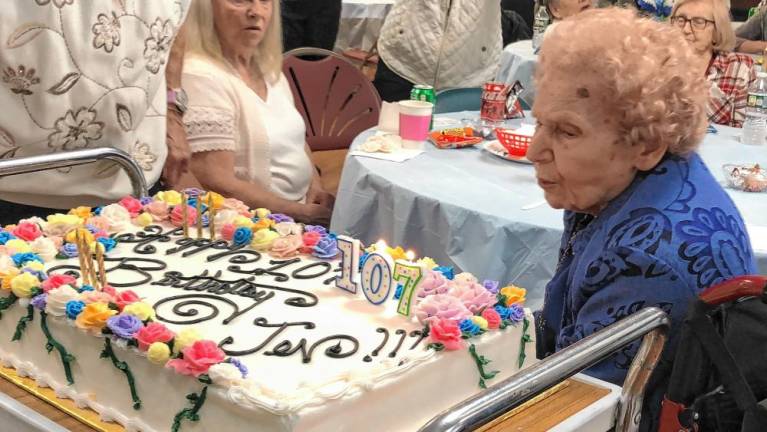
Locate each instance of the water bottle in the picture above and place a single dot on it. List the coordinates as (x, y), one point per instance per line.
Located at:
(755, 125)
(539, 26)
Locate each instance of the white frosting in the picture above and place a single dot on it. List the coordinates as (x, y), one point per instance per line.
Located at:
(56, 302)
(118, 217)
(281, 393)
(44, 247)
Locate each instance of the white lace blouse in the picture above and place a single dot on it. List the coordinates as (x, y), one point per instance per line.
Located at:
(267, 136)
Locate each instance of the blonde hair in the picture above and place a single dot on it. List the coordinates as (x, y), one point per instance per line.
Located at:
(644, 67)
(202, 40)
(724, 35)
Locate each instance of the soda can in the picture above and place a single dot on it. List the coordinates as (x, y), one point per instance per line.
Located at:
(424, 93)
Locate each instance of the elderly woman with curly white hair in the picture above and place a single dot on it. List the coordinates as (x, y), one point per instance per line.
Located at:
(246, 136)
(646, 224)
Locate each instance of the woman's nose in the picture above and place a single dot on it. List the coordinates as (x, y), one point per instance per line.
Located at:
(537, 149)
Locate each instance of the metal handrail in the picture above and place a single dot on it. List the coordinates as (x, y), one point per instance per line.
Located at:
(30, 164)
(652, 323)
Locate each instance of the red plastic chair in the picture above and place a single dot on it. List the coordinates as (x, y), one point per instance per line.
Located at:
(336, 100)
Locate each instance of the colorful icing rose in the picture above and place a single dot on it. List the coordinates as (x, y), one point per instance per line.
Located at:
(473, 295)
(5, 236)
(442, 307)
(279, 217)
(310, 240)
(236, 205)
(124, 298)
(118, 217)
(93, 296)
(513, 294)
(227, 232)
(213, 199)
(447, 333)
(27, 231)
(193, 192)
(124, 326)
(158, 353)
(94, 316)
(225, 217)
(264, 223)
(243, 222)
(446, 271)
(286, 247)
(170, 197)
(262, 213)
(492, 286)
(151, 333)
(427, 263)
(225, 375)
(45, 248)
(327, 247)
(469, 327)
(108, 243)
(7, 277)
(6, 263)
(56, 280)
(397, 253)
(82, 212)
(36, 268)
(492, 317)
(465, 278)
(433, 282)
(73, 308)
(23, 285)
(177, 216)
(20, 259)
(140, 310)
(143, 220)
(100, 223)
(480, 322)
(198, 358)
(85, 236)
(288, 228)
(17, 246)
(132, 205)
(321, 230)
(185, 338)
(263, 239)
(69, 250)
(60, 224)
(242, 236)
(38, 301)
(159, 210)
(516, 313)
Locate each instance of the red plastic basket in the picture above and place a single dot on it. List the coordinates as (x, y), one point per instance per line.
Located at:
(515, 144)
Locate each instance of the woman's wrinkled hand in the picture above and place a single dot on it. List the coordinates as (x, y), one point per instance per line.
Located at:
(179, 154)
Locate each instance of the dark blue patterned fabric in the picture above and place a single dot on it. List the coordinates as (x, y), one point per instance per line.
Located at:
(672, 233)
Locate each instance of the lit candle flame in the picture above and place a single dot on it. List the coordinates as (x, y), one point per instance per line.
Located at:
(410, 255)
(381, 246)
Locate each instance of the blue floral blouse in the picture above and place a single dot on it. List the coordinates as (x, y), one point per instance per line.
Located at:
(672, 233)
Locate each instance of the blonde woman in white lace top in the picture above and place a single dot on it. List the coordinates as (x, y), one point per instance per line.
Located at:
(247, 138)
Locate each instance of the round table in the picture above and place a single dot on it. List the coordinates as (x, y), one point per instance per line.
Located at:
(518, 62)
(486, 215)
(361, 22)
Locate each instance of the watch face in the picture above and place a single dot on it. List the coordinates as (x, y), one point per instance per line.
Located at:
(181, 98)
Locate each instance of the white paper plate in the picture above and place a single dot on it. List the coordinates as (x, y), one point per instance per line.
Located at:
(496, 149)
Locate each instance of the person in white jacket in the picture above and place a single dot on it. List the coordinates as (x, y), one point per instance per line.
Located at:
(442, 43)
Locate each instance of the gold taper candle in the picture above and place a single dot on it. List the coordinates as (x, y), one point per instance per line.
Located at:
(81, 256)
(100, 259)
(184, 214)
(91, 267)
(212, 219)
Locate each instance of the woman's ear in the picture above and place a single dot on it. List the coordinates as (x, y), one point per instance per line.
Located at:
(649, 154)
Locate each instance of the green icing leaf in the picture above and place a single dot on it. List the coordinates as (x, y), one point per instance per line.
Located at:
(190, 414)
(22, 325)
(122, 366)
(66, 357)
(481, 362)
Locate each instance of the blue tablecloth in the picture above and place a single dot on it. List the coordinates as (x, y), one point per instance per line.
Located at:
(518, 61)
(465, 208)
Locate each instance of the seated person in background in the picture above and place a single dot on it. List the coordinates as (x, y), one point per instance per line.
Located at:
(310, 23)
(246, 136)
(438, 43)
(561, 9)
(646, 224)
(752, 34)
(707, 27)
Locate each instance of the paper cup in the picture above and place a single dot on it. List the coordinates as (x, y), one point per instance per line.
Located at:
(389, 118)
(414, 120)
